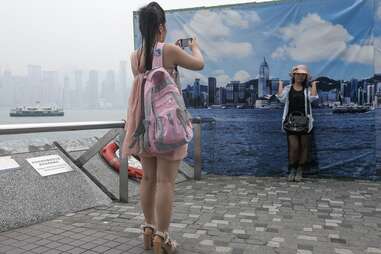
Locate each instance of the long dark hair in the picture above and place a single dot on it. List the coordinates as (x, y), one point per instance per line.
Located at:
(151, 17)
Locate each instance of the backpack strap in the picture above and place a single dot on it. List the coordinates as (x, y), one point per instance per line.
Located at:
(140, 129)
(157, 59)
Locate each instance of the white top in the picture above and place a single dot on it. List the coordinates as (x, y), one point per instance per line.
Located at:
(283, 98)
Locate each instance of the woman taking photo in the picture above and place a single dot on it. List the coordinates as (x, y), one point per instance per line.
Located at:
(297, 120)
(160, 170)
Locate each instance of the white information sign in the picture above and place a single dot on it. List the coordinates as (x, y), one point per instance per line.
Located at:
(8, 163)
(49, 165)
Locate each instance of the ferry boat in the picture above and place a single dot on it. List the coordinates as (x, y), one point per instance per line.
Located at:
(216, 107)
(340, 109)
(36, 111)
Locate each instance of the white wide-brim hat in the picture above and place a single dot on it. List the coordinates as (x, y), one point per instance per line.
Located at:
(302, 69)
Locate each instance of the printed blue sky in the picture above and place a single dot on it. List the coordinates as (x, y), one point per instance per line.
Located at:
(334, 38)
(377, 39)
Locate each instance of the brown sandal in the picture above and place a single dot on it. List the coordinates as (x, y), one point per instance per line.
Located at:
(148, 232)
(163, 244)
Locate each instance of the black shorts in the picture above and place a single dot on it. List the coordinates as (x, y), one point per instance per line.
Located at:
(302, 133)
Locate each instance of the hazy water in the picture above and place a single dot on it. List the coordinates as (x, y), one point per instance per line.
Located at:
(248, 141)
(70, 116)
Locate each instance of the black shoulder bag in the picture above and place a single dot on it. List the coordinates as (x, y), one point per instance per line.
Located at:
(297, 121)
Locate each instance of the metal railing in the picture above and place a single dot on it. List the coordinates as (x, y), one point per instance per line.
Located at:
(117, 129)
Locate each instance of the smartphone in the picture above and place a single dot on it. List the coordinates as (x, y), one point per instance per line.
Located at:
(185, 42)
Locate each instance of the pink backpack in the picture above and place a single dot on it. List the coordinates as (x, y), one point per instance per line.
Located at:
(165, 123)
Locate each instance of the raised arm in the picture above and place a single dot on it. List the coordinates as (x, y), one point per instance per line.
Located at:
(180, 57)
(313, 93)
(281, 95)
(314, 88)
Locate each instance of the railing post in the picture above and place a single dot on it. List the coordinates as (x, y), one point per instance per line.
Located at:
(197, 148)
(123, 171)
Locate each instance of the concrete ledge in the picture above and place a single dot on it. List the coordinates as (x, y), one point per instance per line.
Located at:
(27, 198)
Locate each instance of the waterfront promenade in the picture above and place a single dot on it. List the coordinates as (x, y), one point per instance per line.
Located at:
(226, 215)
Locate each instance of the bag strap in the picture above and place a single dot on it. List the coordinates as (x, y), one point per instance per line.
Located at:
(140, 128)
(142, 113)
(157, 62)
(157, 58)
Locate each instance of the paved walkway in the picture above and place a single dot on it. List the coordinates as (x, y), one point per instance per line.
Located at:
(226, 215)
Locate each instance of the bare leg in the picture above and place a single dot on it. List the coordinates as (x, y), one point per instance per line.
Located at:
(148, 189)
(166, 176)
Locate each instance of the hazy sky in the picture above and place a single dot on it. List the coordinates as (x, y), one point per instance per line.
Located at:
(65, 35)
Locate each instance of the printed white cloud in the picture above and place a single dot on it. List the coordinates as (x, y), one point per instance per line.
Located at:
(222, 80)
(377, 55)
(235, 19)
(253, 16)
(213, 31)
(218, 72)
(221, 77)
(216, 50)
(359, 54)
(208, 23)
(279, 53)
(187, 77)
(313, 39)
(242, 76)
(240, 19)
(379, 12)
(377, 43)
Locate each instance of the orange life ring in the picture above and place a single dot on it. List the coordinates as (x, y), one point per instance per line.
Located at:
(108, 153)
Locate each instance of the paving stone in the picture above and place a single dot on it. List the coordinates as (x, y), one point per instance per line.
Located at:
(207, 243)
(343, 251)
(191, 236)
(304, 252)
(338, 240)
(100, 249)
(307, 238)
(373, 250)
(40, 250)
(226, 215)
(221, 249)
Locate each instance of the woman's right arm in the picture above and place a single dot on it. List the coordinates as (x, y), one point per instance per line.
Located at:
(281, 95)
(180, 57)
(134, 64)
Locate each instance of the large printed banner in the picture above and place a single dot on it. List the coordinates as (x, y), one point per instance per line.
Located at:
(248, 48)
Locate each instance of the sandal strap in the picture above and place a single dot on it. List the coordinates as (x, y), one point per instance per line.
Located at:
(150, 226)
(165, 237)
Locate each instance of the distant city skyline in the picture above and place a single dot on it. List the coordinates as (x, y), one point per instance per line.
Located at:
(354, 91)
(77, 89)
(100, 89)
(260, 92)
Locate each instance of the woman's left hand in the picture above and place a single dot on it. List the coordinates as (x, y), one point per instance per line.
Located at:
(314, 88)
(177, 43)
